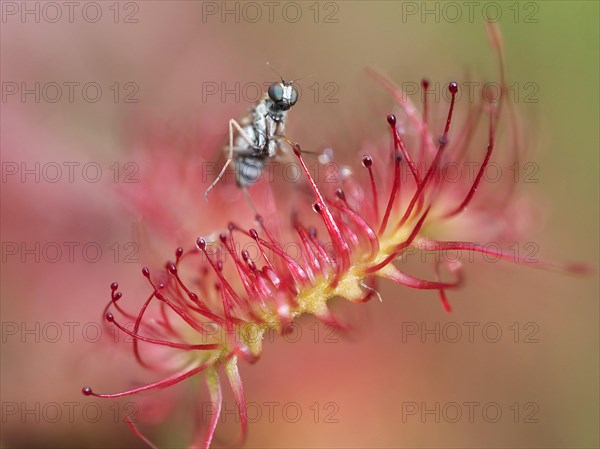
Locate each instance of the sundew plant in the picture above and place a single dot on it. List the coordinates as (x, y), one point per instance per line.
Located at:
(209, 307)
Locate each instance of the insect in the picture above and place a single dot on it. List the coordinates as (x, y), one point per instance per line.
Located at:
(261, 134)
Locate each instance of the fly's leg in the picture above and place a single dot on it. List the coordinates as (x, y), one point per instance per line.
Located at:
(232, 124)
(291, 144)
(284, 138)
(249, 200)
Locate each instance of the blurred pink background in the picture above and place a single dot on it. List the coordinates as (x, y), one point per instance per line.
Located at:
(360, 391)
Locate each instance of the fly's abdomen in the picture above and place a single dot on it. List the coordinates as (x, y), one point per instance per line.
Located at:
(248, 169)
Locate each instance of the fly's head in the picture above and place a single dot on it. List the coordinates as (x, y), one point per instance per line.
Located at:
(283, 95)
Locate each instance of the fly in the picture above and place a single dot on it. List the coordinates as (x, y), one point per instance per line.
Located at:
(260, 135)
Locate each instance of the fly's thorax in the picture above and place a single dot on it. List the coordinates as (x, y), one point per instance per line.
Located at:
(254, 134)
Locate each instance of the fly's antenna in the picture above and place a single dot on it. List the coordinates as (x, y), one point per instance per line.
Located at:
(275, 71)
(303, 77)
(292, 81)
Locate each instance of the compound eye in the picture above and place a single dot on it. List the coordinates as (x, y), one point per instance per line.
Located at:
(276, 92)
(294, 97)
